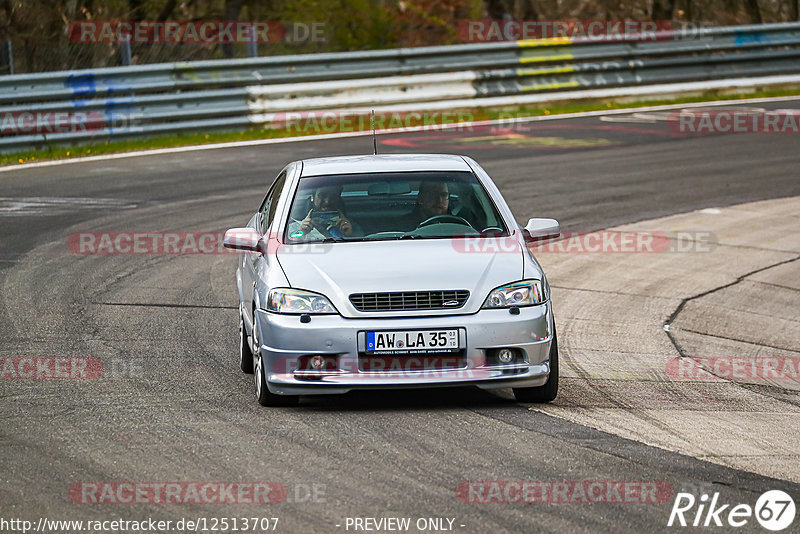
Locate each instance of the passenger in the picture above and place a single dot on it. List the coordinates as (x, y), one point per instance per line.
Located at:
(325, 199)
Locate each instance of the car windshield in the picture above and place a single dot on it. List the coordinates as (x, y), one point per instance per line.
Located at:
(384, 206)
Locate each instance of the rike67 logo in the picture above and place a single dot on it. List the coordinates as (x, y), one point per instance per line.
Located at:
(774, 510)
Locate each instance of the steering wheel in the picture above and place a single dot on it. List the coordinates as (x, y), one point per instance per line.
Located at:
(444, 219)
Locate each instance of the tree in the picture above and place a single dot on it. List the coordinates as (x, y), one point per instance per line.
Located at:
(662, 9)
(753, 11)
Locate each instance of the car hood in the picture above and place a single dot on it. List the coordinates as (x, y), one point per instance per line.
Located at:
(339, 269)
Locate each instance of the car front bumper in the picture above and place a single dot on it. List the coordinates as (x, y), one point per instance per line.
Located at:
(284, 339)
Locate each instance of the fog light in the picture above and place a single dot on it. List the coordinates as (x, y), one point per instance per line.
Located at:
(317, 362)
(505, 356)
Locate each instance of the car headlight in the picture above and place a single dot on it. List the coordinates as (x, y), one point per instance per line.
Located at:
(284, 300)
(524, 293)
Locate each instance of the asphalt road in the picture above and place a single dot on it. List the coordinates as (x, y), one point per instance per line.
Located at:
(174, 407)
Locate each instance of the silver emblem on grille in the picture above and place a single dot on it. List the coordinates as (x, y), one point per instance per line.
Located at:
(451, 303)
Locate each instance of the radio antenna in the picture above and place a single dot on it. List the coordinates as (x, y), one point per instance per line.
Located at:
(374, 140)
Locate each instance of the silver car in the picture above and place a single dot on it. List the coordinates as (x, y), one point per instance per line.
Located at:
(392, 271)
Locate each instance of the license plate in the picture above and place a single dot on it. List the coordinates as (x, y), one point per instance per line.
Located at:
(412, 341)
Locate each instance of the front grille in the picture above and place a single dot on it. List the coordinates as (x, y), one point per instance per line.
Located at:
(410, 300)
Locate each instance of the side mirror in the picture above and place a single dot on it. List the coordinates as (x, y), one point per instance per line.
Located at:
(242, 239)
(541, 229)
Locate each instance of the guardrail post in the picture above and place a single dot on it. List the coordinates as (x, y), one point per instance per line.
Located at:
(251, 45)
(126, 56)
(8, 56)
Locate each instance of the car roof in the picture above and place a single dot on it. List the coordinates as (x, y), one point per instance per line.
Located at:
(383, 163)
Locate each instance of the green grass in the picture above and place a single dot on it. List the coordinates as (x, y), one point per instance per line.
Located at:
(598, 105)
(177, 140)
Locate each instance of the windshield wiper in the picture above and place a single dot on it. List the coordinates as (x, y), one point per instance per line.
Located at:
(332, 239)
(415, 236)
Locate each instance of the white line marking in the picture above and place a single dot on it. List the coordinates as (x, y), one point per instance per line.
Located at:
(640, 119)
(651, 118)
(13, 206)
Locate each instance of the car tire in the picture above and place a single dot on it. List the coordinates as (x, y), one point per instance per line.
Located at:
(263, 394)
(245, 352)
(549, 390)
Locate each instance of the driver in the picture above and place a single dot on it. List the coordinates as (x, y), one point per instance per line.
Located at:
(433, 199)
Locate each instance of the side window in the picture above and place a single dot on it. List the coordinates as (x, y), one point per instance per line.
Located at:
(267, 211)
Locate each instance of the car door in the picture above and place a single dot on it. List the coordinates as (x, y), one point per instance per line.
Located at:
(253, 263)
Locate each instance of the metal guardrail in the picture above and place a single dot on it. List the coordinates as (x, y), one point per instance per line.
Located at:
(54, 108)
